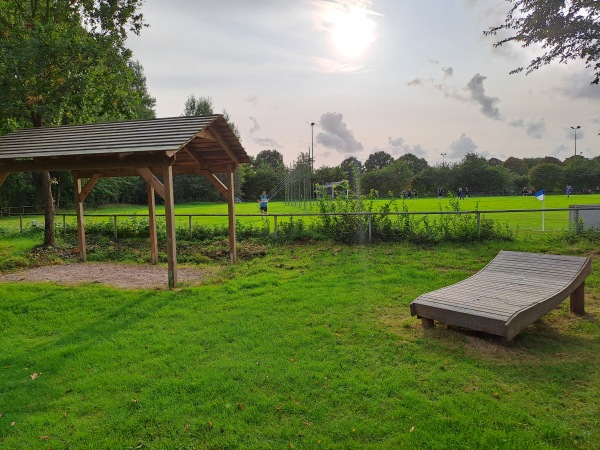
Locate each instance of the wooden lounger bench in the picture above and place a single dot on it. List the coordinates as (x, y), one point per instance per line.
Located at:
(510, 293)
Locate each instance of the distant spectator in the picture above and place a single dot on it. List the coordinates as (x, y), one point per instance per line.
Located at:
(569, 190)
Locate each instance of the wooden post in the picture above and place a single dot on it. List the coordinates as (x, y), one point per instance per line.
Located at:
(170, 219)
(231, 211)
(80, 223)
(427, 323)
(80, 196)
(577, 300)
(152, 224)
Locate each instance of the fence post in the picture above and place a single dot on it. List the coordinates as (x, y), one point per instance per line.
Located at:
(190, 225)
(21, 223)
(115, 225)
(370, 227)
(275, 226)
(577, 222)
(478, 225)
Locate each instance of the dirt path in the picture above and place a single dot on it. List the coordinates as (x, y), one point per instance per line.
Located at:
(125, 276)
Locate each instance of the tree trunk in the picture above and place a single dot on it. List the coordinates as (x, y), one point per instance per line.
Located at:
(49, 238)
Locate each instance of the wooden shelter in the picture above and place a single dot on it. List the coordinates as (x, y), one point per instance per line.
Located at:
(151, 149)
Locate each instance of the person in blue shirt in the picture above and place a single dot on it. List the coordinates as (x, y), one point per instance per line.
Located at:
(263, 201)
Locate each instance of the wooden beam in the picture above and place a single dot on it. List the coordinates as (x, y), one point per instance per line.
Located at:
(80, 223)
(213, 134)
(152, 180)
(88, 187)
(3, 177)
(152, 223)
(215, 182)
(106, 161)
(231, 213)
(156, 170)
(170, 218)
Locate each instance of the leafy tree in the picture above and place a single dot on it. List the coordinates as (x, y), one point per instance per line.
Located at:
(261, 179)
(197, 187)
(270, 158)
(203, 106)
(516, 165)
(566, 30)
(65, 62)
(582, 174)
(426, 182)
(392, 178)
(352, 169)
(494, 162)
(326, 174)
(475, 173)
(414, 163)
(551, 160)
(547, 176)
(144, 109)
(378, 160)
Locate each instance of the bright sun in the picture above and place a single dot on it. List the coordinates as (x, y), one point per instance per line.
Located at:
(352, 30)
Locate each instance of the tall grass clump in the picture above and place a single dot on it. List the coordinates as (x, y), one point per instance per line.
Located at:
(341, 220)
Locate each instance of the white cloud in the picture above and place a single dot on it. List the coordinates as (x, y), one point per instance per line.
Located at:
(486, 103)
(336, 134)
(462, 146)
(267, 143)
(578, 86)
(533, 128)
(448, 72)
(256, 125)
(398, 147)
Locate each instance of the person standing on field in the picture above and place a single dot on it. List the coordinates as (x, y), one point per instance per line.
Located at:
(263, 202)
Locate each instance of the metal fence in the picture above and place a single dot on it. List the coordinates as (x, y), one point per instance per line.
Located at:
(554, 219)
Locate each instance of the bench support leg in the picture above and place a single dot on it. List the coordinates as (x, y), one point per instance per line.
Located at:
(427, 323)
(577, 300)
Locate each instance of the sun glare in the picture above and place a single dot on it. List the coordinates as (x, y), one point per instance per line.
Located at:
(352, 30)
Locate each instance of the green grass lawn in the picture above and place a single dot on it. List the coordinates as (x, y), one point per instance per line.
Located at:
(309, 346)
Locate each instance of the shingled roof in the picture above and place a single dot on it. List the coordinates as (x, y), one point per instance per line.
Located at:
(191, 144)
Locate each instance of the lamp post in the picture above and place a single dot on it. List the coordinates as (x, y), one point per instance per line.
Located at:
(576, 128)
(312, 157)
(443, 158)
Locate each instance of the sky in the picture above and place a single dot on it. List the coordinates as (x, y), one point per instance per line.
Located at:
(400, 76)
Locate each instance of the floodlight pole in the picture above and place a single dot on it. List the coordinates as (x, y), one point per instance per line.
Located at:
(443, 158)
(575, 129)
(312, 158)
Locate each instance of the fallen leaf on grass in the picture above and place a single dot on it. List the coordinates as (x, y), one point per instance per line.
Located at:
(412, 429)
(33, 376)
(44, 438)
